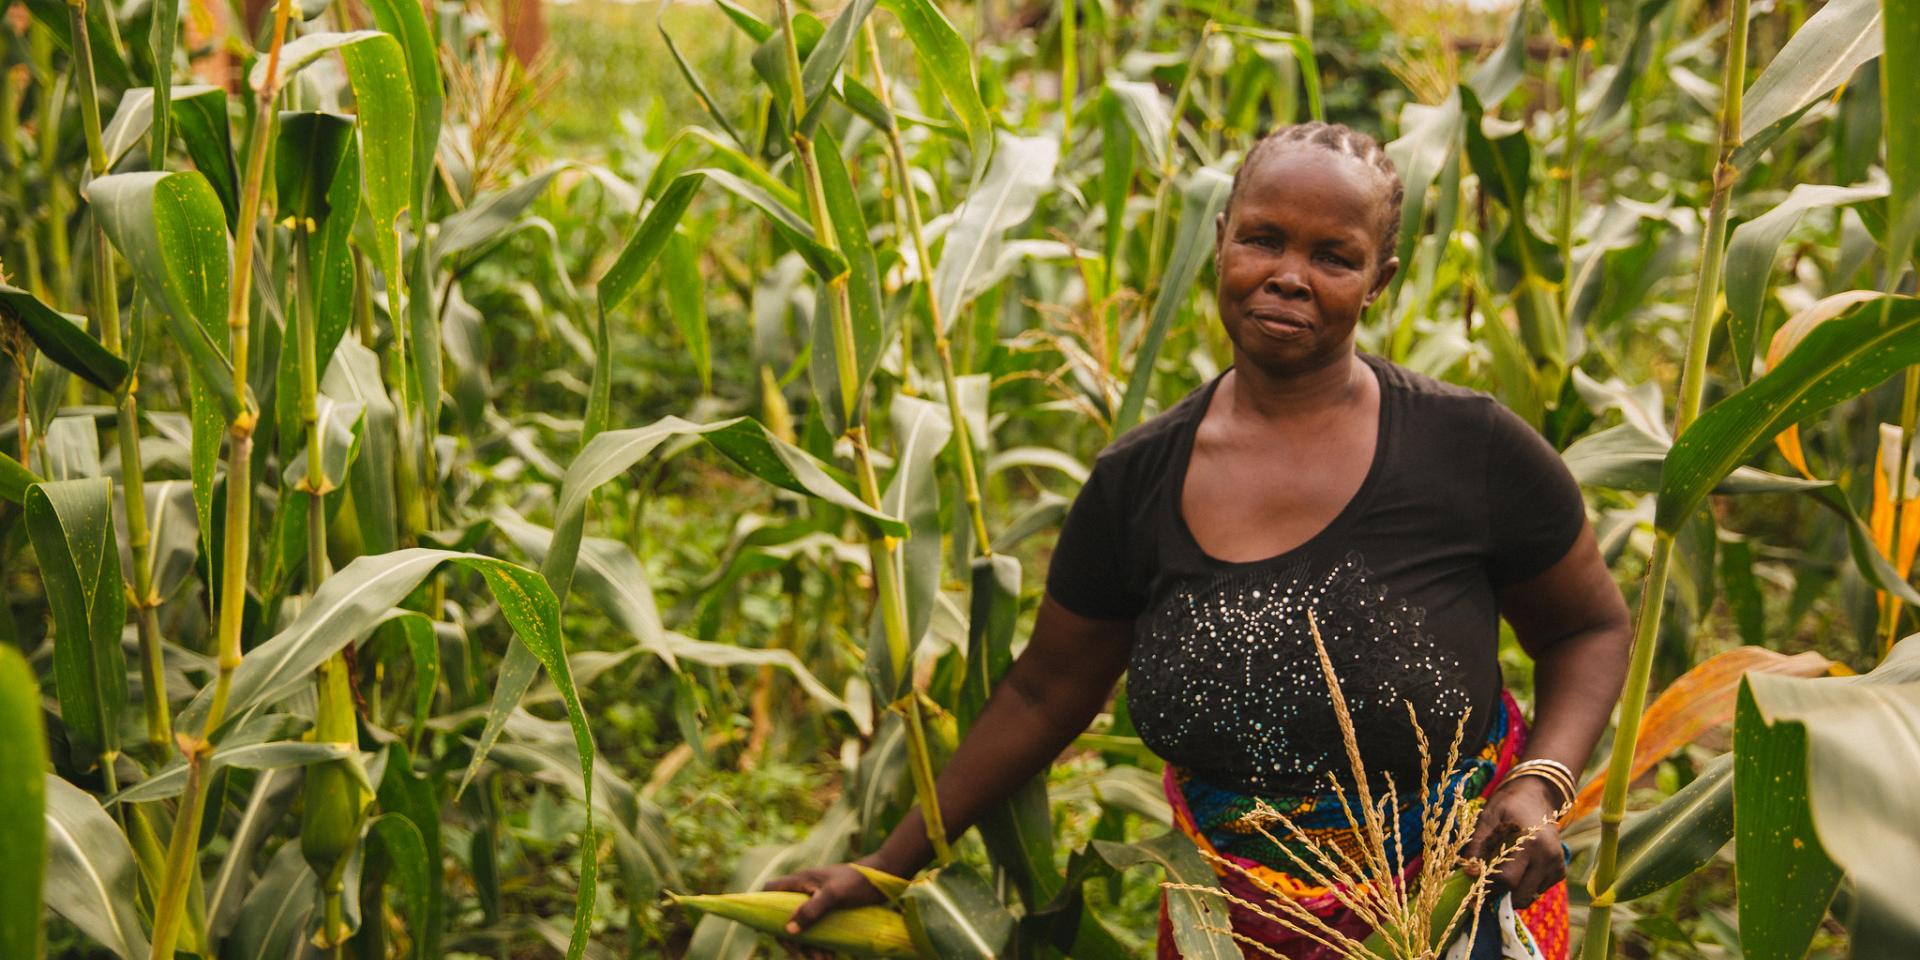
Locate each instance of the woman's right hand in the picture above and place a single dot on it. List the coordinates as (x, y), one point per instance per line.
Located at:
(830, 888)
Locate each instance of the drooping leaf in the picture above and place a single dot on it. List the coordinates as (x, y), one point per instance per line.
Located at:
(816, 76)
(274, 755)
(1507, 65)
(1199, 919)
(354, 377)
(1665, 845)
(1785, 878)
(687, 302)
(1821, 55)
(1021, 172)
(23, 808)
(71, 524)
(920, 431)
(277, 909)
(1751, 252)
(1202, 199)
(1626, 457)
(90, 871)
(62, 339)
(1836, 361)
(171, 228)
(1149, 116)
(953, 914)
(491, 215)
(948, 60)
(1856, 738)
(15, 479)
(863, 293)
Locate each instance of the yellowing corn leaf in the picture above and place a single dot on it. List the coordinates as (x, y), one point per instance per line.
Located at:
(1702, 699)
(1886, 466)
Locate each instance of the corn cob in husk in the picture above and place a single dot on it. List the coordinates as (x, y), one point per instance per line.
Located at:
(861, 931)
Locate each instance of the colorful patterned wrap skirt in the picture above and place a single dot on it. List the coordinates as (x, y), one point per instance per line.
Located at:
(1212, 816)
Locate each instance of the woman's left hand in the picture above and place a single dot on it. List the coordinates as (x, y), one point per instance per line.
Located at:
(1513, 808)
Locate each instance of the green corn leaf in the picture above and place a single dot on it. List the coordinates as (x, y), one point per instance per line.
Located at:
(71, 524)
(748, 23)
(686, 294)
(333, 280)
(1785, 879)
(954, 915)
(266, 804)
(1838, 360)
(1751, 252)
(408, 795)
(1197, 917)
(1148, 113)
(707, 103)
(277, 911)
(354, 377)
(1301, 49)
(171, 228)
(133, 118)
(1821, 55)
(1201, 200)
(110, 68)
(921, 429)
(23, 808)
(948, 60)
(1665, 845)
(15, 479)
(863, 294)
(816, 76)
(1019, 175)
(1429, 139)
(1632, 65)
(352, 602)
(769, 60)
(407, 23)
(1900, 99)
(1501, 72)
(63, 339)
(276, 755)
(306, 161)
(384, 102)
(398, 851)
(1627, 457)
(1116, 176)
(491, 216)
(91, 871)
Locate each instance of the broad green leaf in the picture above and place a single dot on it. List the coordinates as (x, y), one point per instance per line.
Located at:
(205, 129)
(1299, 46)
(863, 295)
(1574, 20)
(1819, 56)
(1861, 737)
(1837, 360)
(994, 608)
(1785, 878)
(1503, 70)
(947, 58)
(1020, 174)
(312, 144)
(384, 104)
(1630, 67)
(920, 430)
(491, 216)
(15, 479)
(171, 228)
(1199, 919)
(1665, 845)
(1627, 457)
(743, 18)
(133, 118)
(1751, 252)
(269, 801)
(333, 280)
(63, 339)
(1149, 115)
(624, 276)
(1430, 136)
(816, 76)
(953, 914)
(110, 68)
(1116, 177)
(686, 294)
(23, 808)
(1201, 200)
(276, 755)
(397, 850)
(354, 377)
(353, 601)
(1900, 99)
(71, 524)
(407, 22)
(406, 794)
(91, 872)
(275, 915)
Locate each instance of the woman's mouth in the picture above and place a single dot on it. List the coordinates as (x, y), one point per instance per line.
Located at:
(1280, 323)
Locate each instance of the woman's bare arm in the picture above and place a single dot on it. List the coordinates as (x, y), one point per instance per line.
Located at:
(1049, 695)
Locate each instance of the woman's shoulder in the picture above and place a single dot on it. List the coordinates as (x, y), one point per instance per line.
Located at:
(1156, 438)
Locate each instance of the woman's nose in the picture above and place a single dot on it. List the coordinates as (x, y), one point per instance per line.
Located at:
(1286, 282)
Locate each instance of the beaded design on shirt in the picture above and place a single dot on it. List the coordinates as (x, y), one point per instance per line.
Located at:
(1224, 679)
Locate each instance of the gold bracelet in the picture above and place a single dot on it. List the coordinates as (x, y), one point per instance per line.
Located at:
(1551, 776)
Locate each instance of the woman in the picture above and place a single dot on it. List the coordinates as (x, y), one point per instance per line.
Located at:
(1407, 515)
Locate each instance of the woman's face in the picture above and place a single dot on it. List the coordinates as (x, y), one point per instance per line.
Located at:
(1297, 252)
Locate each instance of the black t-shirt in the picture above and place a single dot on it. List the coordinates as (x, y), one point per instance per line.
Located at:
(1462, 499)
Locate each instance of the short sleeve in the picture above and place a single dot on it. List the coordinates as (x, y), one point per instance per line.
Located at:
(1534, 507)
(1088, 574)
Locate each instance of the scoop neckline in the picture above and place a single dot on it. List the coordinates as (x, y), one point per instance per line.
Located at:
(1352, 508)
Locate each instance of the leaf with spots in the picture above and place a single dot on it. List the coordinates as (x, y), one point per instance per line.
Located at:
(71, 525)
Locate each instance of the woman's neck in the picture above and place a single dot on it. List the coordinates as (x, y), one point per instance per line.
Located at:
(1276, 399)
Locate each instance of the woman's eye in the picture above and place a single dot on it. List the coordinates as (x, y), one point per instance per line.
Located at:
(1336, 260)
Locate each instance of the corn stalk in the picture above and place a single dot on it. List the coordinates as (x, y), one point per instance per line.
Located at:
(886, 561)
(184, 843)
(1653, 594)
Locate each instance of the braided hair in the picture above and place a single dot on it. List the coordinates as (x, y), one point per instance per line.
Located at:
(1346, 141)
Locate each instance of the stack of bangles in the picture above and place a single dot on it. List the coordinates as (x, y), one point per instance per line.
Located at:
(1552, 771)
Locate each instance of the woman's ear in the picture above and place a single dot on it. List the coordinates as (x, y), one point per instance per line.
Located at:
(1381, 279)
